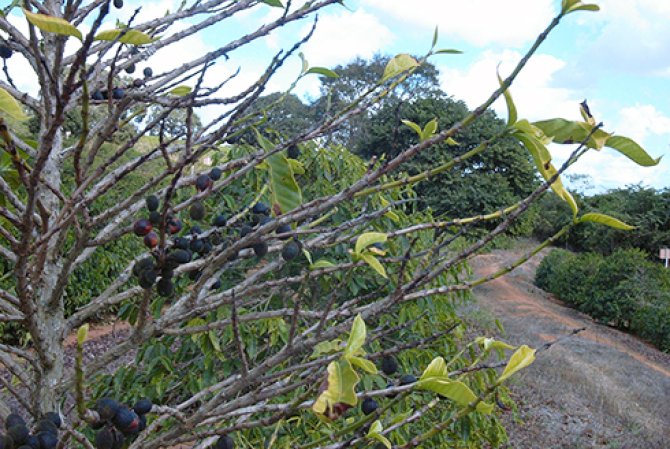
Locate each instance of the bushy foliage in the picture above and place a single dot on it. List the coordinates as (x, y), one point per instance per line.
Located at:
(624, 289)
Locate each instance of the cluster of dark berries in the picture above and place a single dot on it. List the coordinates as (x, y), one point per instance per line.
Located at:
(43, 436)
(117, 92)
(203, 182)
(389, 366)
(119, 422)
(144, 227)
(260, 216)
(101, 95)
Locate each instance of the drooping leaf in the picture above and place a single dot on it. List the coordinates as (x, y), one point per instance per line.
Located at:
(399, 64)
(455, 390)
(10, 106)
(521, 358)
(631, 150)
(52, 24)
(356, 337)
(511, 108)
(437, 368)
(327, 347)
(569, 132)
(181, 91)
(342, 381)
(375, 264)
(414, 126)
(285, 190)
(363, 364)
(606, 220)
(131, 37)
(369, 238)
(323, 71)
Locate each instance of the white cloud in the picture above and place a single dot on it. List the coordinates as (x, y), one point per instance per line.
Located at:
(532, 91)
(640, 121)
(342, 36)
(479, 22)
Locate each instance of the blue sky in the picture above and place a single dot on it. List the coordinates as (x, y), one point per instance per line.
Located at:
(618, 59)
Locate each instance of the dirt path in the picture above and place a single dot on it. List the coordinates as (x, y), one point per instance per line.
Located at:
(600, 389)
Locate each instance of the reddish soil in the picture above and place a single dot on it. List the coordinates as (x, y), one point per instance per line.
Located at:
(599, 389)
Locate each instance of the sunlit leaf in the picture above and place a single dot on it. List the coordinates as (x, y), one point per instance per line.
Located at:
(131, 37)
(429, 130)
(321, 263)
(52, 24)
(82, 334)
(375, 433)
(399, 64)
(323, 71)
(181, 91)
(606, 220)
(454, 390)
(356, 337)
(342, 381)
(631, 150)
(437, 368)
(492, 343)
(375, 264)
(363, 364)
(10, 106)
(414, 126)
(511, 108)
(369, 238)
(568, 6)
(523, 357)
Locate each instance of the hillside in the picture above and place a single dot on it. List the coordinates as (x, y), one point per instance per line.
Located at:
(599, 389)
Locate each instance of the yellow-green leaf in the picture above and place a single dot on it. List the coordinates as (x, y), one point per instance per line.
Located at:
(181, 91)
(414, 126)
(511, 108)
(131, 37)
(296, 166)
(399, 64)
(283, 187)
(437, 368)
(568, 6)
(369, 238)
(429, 129)
(10, 106)
(327, 347)
(321, 263)
(342, 381)
(82, 334)
(363, 364)
(375, 433)
(570, 132)
(492, 343)
(52, 24)
(606, 220)
(375, 264)
(323, 71)
(356, 337)
(454, 390)
(631, 150)
(523, 357)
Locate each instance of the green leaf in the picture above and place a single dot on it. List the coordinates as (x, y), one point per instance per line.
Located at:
(356, 337)
(375, 264)
(399, 64)
(631, 150)
(375, 433)
(568, 6)
(569, 132)
(10, 106)
(437, 368)
(511, 108)
(492, 343)
(297, 167)
(342, 381)
(435, 37)
(131, 37)
(327, 347)
(285, 190)
(321, 263)
(414, 126)
(606, 220)
(523, 357)
(82, 335)
(363, 364)
(54, 25)
(275, 3)
(181, 91)
(369, 238)
(429, 129)
(305, 64)
(323, 71)
(448, 51)
(454, 390)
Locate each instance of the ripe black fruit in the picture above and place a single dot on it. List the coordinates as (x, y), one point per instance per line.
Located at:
(118, 4)
(291, 250)
(118, 93)
(147, 279)
(197, 245)
(219, 221)
(143, 264)
(369, 405)
(45, 425)
(264, 219)
(54, 418)
(203, 182)
(143, 423)
(167, 273)
(97, 95)
(130, 68)
(152, 202)
(197, 211)
(104, 439)
(124, 418)
(5, 52)
(215, 173)
(147, 72)
(143, 406)
(31, 442)
(194, 275)
(389, 365)
(181, 243)
(216, 285)
(261, 249)
(107, 408)
(165, 287)
(260, 208)
(19, 434)
(155, 217)
(180, 256)
(151, 240)
(6, 442)
(245, 230)
(14, 419)
(293, 152)
(283, 229)
(47, 440)
(224, 442)
(407, 379)
(142, 227)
